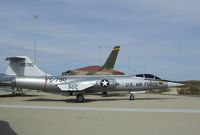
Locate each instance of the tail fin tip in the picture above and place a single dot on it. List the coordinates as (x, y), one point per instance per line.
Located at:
(110, 62)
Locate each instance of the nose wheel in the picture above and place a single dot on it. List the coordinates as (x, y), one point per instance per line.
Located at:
(132, 97)
(79, 98)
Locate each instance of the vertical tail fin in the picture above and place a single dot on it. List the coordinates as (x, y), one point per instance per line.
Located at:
(110, 62)
(22, 66)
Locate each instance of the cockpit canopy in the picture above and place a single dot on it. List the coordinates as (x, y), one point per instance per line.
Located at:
(148, 76)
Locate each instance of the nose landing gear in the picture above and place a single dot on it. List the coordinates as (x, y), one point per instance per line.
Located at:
(132, 97)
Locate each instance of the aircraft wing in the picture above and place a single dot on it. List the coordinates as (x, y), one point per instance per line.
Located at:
(79, 85)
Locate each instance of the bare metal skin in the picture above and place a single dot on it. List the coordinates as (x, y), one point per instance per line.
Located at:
(25, 74)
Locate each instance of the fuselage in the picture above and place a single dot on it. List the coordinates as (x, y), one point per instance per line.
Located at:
(117, 83)
(23, 73)
(78, 85)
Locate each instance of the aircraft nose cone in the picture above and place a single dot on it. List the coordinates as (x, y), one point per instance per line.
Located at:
(174, 84)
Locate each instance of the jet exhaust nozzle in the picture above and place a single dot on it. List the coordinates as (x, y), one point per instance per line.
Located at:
(6, 80)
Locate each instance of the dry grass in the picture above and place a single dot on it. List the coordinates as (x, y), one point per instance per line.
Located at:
(192, 87)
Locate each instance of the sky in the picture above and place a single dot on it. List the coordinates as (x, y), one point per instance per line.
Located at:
(159, 36)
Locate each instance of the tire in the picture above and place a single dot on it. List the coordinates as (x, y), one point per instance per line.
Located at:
(104, 93)
(132, 97)
(79, 98)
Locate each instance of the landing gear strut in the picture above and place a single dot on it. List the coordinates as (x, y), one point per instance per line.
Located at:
(104, 93)
(132, 97)
(18, 92)
(79, 97)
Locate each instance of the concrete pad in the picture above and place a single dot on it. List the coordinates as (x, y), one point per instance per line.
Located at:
(49, 114)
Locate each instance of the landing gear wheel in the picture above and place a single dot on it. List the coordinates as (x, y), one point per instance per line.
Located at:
(104, 93)
(79, 98)
(71, 93)
(14, 93)
(18, 92)
(132, 97)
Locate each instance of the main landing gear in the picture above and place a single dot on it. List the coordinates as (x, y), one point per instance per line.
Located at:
(104, 93)
(18, 92)
(79, 97)
(132, 97)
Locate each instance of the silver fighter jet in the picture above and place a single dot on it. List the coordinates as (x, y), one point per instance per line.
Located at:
(23, 73)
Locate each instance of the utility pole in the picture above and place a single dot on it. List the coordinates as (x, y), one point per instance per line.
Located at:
(129, 65)
(100, 54)
(144, 68)
(35, 17)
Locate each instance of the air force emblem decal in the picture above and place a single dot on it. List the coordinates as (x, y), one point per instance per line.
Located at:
(104, 83)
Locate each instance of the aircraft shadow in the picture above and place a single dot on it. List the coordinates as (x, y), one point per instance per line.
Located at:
(93, 100)
(46, 100)
(26, 95)
(71, 100)
(87, 100)
(110, 95)
(5, 128)
(153, 98)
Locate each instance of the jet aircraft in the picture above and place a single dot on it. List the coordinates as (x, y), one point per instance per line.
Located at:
(106, 69)
(23, 73)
